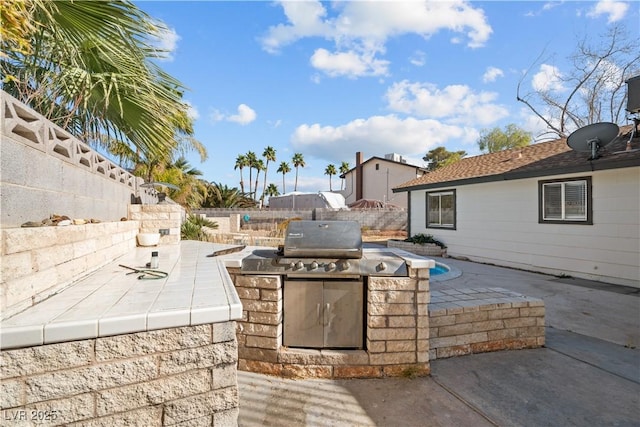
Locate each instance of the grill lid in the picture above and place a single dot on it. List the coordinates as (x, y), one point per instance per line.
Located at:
(341, 239)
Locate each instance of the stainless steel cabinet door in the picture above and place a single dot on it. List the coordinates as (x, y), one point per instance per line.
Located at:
(343, 319)
(303, 314)
(325, 314)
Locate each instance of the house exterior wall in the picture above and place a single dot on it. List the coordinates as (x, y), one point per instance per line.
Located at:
(497, 222)
(378, 184)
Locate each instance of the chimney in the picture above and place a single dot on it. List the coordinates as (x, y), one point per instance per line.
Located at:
(359, 180)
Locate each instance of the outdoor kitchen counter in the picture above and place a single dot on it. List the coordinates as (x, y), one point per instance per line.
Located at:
(197, 290)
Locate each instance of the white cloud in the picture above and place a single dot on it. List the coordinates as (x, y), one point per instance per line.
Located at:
(360, 29)
(245, 115)
(419, 58)
(616, 10)
(378, 135)
(165, 41)
(547, 79)
(492, 74)
(454, 103)
(349, 64)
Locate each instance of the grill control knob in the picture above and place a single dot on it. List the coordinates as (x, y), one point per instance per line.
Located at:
(344, 265)
(382, 266)
(331, 266)
(292, 265)
(299, 265)
(313, 265)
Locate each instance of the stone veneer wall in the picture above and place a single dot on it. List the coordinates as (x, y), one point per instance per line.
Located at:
(502, 324)
(38, 262)
(397, 331)
(184, 376)
(153, 218)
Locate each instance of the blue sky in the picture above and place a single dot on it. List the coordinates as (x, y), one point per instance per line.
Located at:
(329, 79)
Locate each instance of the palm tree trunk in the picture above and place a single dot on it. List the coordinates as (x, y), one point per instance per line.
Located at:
(295, 187)
(284, 190)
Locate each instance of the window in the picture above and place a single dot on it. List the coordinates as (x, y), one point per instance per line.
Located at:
(441, 209)
(565, 201)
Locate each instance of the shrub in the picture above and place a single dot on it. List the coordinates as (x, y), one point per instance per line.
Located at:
(193, 228)
(423, 239)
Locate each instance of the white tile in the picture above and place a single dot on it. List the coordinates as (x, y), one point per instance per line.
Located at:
(210, 314)
(122, 324)
(21, 336)
(235, 311)
(168, 319)
(70, 330)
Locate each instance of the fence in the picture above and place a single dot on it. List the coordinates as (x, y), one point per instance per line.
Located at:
(268, 219)
(46, 170)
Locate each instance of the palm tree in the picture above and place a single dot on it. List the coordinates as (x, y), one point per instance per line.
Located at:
(221, 196)
(259, 165)
(298, 161)
(330, 170)
(252, 159)
(241, 162)
(272, 190)
(89, 68)
(284, 168)
(344, 168)
(270, 155)
(192, 190)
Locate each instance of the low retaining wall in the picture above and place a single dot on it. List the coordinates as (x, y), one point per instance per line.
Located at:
(38, 262)
(429, 249)
(183, 376)
(466, 321)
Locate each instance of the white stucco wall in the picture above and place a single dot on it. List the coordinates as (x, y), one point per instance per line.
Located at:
(497, 223)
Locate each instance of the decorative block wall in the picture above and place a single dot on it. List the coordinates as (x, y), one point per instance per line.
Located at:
(178, 376)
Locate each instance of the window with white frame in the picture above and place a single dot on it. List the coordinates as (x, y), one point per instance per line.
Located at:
(565, 201)
(441, 209)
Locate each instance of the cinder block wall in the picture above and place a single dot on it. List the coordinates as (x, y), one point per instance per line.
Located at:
(177, 376)
(71, 178)
(38, 262)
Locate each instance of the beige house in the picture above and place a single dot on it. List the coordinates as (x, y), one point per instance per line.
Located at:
(375, 178)
(543, 208)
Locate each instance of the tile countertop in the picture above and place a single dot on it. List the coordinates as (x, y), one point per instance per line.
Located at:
(109, 301)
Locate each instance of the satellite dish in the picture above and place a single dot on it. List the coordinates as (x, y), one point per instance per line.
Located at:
(592, 137)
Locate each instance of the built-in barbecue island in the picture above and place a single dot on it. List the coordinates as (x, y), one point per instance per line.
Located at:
(321, 305)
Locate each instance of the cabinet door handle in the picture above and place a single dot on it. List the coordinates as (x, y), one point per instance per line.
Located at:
(318, 314)
(327, 314)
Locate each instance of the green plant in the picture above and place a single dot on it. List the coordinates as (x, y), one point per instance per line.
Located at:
(193, 228)
(423, 239)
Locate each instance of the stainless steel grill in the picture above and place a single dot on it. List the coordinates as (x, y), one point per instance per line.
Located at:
(325, 269)
(331, 249)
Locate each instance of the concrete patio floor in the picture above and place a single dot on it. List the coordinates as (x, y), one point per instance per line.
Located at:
(588, 373)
